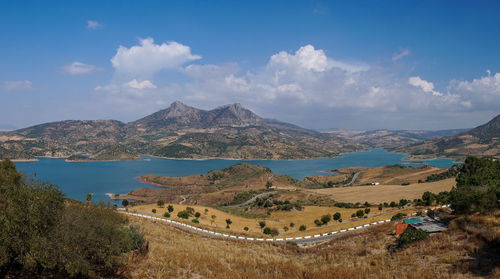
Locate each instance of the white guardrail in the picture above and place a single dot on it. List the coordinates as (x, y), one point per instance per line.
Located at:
(221, 235)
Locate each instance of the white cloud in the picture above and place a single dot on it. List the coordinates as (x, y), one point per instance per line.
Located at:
(17, 85)
(93, 24)
(145, 84)
(310, 59)
(426, 86)
(307, 85)
(144, 60)
(401, 54)
(483, 92)
(79, 68)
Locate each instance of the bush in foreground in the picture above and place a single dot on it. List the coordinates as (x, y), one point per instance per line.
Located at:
(411, 235)
(44, 234)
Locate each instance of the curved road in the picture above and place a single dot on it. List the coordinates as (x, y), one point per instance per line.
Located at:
(299, 239)
(254, 198)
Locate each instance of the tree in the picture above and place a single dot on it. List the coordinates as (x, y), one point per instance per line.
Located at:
(153, 210)
(336, 216)
(269, 184)
(367, 211)
(326, 218)
(292, 225)
(262, 224)
(245, 228)
(360, 213)
(160, 203)
(228, 222)
(89, 197)
(393, 204)
(302, 228)
(212, 219)
(318, 223)
(285, 228)
(267, 230)
(380, 207)
(403, 202)
(170, 208)
(183, 214)
(125, 203)
(197, 214)
(428, 198)
(166, 215)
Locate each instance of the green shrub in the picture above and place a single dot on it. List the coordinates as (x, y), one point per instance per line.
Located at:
(411, 235)
(318, 223)
(166, 215)
(336, 216)
(262, 224)
(160, 203)
(194, 220)
(360, 213)
(267, 230)
(170, 208)
(326, 218)
(41, 231)
(292, 225)
(245, 228)
(398, 216)
(153, 210)
(302, 228)
(183, 214)
(197, 214)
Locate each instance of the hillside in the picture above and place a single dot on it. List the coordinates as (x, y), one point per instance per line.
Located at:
(483, 140)
(213, 188)
(390, 138)
(180, 131)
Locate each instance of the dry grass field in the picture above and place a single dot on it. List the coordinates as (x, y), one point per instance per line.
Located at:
(457, 253)
(384, 193)
(277, 220)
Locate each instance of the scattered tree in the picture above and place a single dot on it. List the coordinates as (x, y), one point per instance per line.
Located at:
(160, 203)
(170, 208)
(153, 210)
(262, 224)
(302, 228)
(197, 214)
(166, 215)
(336, 216)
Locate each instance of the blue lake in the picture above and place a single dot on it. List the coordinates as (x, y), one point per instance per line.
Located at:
(76, 179)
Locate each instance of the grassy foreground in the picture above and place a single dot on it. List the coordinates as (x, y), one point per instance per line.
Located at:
(464, 251)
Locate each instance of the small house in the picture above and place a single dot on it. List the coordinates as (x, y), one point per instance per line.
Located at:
(424, 223)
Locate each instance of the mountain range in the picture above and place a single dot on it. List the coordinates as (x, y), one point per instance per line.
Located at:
(483, 140)
(180, 131)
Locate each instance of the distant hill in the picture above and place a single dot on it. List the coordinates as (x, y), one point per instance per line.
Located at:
(390, 138)
(179, 131)
(483, 140)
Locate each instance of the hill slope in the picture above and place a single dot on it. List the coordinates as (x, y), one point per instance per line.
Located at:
(483, 140)
(180, 131)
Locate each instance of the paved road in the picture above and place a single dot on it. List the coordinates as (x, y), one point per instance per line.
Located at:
(354, 177)
(254, 198)
(308, 239)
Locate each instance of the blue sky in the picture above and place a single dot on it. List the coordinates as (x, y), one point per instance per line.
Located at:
(319, 64)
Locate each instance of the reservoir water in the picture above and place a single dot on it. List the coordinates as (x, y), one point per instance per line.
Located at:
(76, 179)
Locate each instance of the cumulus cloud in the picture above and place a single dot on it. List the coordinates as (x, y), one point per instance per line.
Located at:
(426, 86)
(93, 24)
(145, 84)
(17, 85)
(307, 58)
(79, 68)
(306, 87)
(144, 60)
(401, 54)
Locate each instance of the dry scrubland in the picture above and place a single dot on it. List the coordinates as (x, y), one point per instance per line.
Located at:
(386, 193)
(462, 252)
(276, 220)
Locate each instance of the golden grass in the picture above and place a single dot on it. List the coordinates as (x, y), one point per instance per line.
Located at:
(276, 220)
(385, 193)
(178, 254)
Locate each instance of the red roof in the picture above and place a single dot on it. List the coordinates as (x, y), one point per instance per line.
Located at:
(400, 228)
